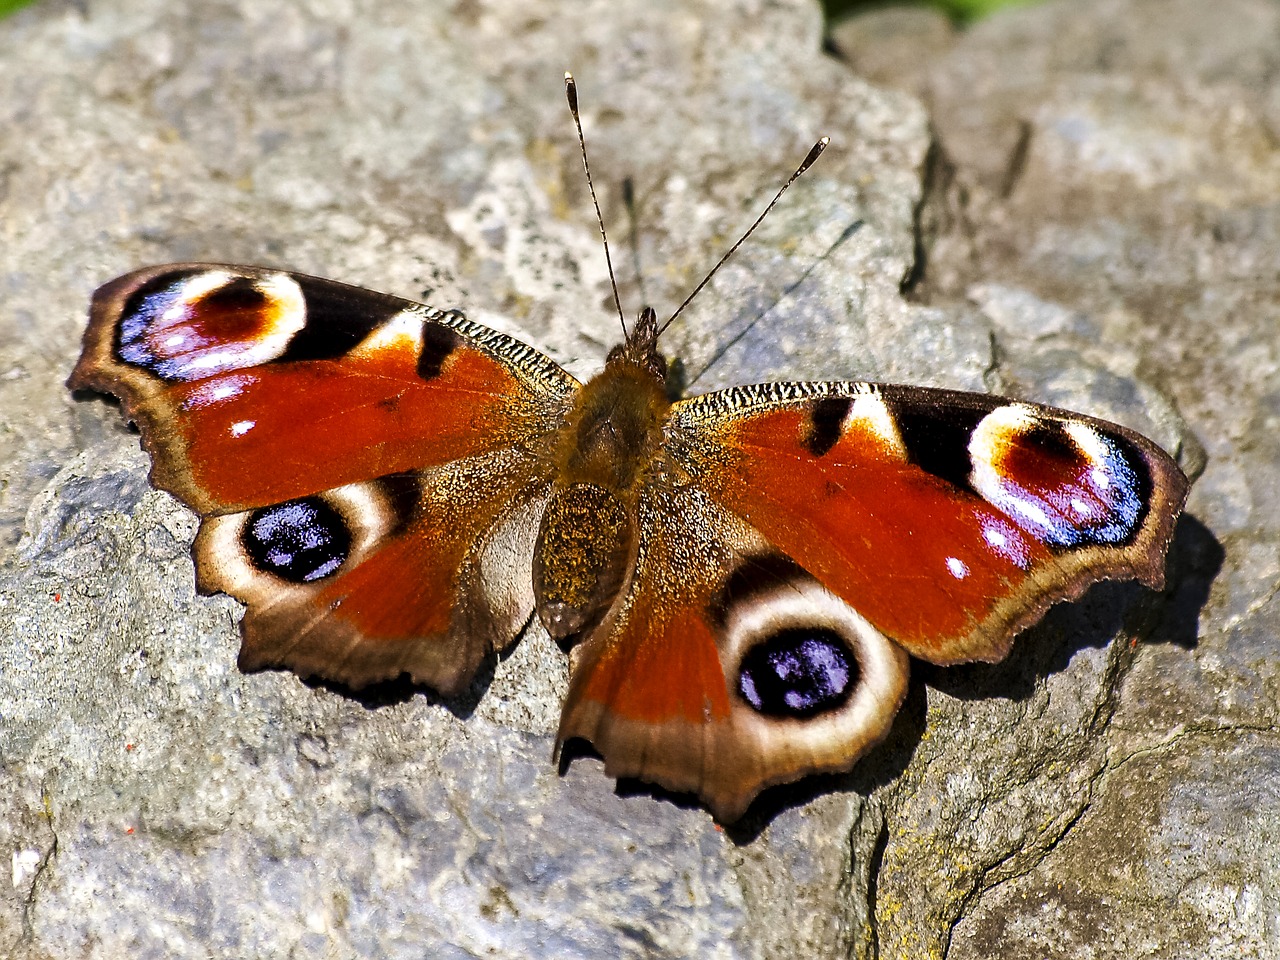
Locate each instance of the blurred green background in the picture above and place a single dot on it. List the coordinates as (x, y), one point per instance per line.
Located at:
(961, 11)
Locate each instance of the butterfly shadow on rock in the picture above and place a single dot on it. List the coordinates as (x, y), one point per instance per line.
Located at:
(391, 693)
(1108, 610)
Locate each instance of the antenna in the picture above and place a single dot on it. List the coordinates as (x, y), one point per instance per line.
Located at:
(571, 94)
(814, 153)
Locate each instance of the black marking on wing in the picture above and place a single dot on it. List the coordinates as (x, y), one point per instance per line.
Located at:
(825, 423)
(798, 673)
(338, 318)
(753, 576)
(239, 294)
(1141, 477)
(403, 492)
(438, 342)
(937, 436)
(1050, 439)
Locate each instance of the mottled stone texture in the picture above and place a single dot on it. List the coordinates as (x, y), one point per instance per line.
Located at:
(1095, 226)
(1105, 190)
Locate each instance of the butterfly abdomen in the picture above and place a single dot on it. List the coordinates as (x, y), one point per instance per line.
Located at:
(585, 544)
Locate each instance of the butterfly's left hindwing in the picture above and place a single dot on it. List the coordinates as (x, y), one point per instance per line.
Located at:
(363, 462)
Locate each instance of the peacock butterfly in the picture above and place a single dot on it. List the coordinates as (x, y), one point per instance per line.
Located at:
(391, 489)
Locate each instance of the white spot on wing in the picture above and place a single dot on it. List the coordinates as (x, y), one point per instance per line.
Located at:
(214, 361)
(1016, 502)
(403, 332)
(869, 413)
(217, 391)
(958, 568)
(203, 284)
(1006, 541)
(225, 389)
(241, 427)
(1093, 444)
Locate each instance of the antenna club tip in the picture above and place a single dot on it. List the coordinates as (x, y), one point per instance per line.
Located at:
(571, 93)
(823, 142)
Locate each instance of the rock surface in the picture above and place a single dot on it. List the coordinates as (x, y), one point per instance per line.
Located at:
(1105, 187)
(1098, 223)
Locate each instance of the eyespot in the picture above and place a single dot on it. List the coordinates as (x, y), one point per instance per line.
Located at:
(300, 541)
(1065, 482)
(798, 672)
(810, 675)
(186, 326)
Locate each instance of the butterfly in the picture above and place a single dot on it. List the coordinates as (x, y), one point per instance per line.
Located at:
(742, 576)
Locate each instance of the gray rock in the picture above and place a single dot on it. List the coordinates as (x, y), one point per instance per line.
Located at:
(1104, 193)
(895, 45)
(162, 804)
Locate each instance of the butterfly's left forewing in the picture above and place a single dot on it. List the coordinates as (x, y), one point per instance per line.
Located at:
(366, 466)
(254, 386)
(949, 520)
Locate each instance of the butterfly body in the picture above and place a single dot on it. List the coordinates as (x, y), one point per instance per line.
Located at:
(742, 576)
(605, 453)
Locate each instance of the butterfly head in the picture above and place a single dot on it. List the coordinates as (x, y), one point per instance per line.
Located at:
(640, 348)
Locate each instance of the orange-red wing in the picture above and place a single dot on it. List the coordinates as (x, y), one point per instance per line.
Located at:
(718, 646)
(371, 470)
(948, 520)
(424, 574)
(253, 386)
